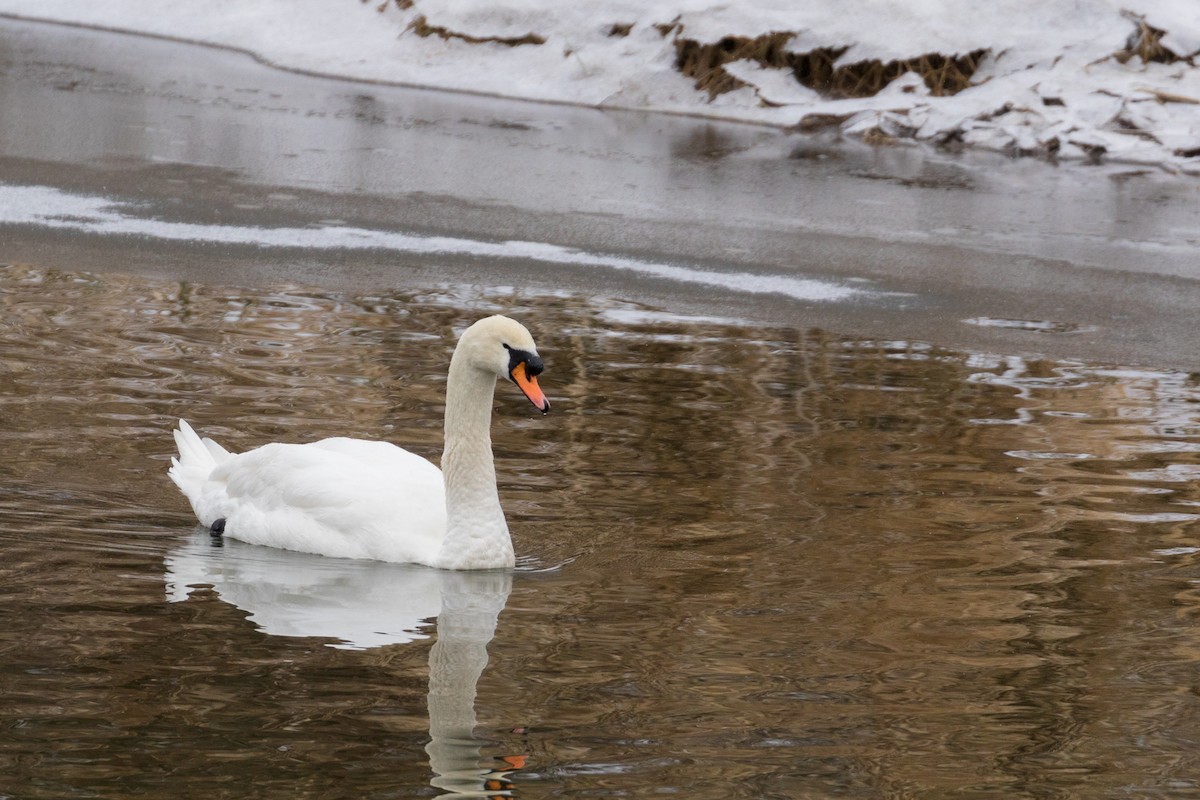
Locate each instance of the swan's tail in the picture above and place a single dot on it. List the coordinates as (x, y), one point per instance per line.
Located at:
(197, 458)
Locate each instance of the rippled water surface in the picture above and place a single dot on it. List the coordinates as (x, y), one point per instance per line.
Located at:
(754, 562)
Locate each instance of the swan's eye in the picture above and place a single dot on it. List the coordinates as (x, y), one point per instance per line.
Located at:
(533, 364)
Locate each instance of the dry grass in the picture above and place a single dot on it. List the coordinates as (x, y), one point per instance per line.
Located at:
(421, 27)
(665, 29)
(704, 63)
(1146, 43)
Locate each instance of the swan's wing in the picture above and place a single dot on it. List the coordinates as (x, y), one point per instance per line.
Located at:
(215, 450)
(336, 497)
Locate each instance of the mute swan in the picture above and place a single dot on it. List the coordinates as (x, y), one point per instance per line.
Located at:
(352, 498)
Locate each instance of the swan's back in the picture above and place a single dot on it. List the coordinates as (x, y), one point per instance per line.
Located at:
(339, 497)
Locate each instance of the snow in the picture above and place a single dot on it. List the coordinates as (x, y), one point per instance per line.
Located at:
(1054, 81)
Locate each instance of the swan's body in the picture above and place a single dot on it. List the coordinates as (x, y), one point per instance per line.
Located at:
(351, 498)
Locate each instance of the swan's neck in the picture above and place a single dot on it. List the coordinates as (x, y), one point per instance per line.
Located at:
(476, 532)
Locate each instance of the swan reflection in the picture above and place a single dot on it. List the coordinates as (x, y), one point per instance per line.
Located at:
(365, 604)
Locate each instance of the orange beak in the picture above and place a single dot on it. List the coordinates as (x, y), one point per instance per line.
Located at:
(529, 385)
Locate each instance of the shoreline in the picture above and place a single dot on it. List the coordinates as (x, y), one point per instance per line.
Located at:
(1091, 155)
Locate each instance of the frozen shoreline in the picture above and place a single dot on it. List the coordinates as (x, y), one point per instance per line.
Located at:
(1057, 81)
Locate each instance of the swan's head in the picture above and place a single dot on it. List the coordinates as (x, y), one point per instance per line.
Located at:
(503, 346)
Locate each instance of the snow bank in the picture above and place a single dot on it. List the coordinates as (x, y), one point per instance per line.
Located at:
(1076, 79)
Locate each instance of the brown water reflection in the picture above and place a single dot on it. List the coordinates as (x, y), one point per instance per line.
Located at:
(754, 562)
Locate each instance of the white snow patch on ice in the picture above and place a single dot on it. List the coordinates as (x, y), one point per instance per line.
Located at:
(47, 207)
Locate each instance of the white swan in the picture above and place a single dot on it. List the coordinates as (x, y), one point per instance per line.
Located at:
(351, 498)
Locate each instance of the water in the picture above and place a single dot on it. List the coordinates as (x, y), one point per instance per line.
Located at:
(754, 561)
